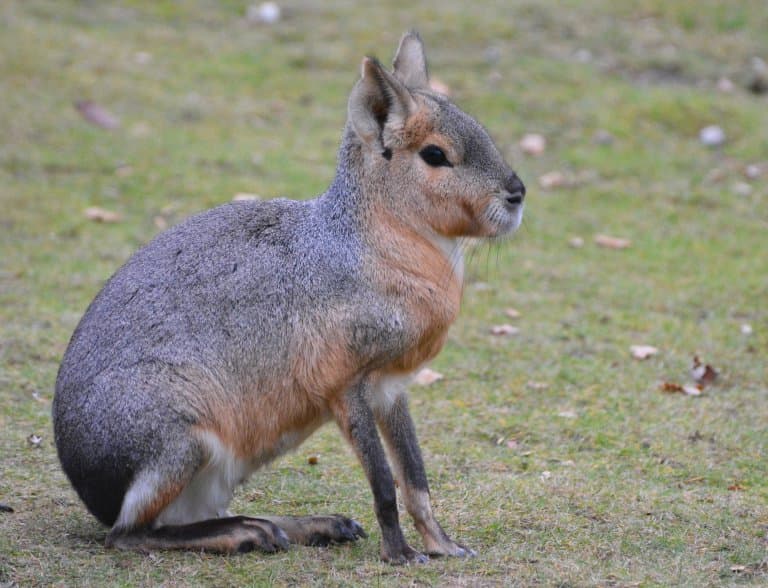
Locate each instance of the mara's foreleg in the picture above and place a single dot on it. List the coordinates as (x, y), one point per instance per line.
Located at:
(399, 434)
(355, 418)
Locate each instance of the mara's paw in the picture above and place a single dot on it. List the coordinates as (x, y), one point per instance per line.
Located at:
(319, 530)
(403, 556)
(335, 529)
(452, 549)
(259, 535)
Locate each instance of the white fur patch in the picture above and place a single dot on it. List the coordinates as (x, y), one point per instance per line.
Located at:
(140, 495)
(386, 392)
(452, 250)
(210, 491)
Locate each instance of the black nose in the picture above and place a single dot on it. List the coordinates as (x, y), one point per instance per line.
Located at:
(516, 189)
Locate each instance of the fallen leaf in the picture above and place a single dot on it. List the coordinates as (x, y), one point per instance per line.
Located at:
(546, 475)
(533, 144)
(737, 569)
(427, 376)
(533, 385)
(691, 390)
(552, 180)
(671, 388)
(643, 351)
(736, 487)
(512, 313)
(439, 86)
(704, 374)
(313, 460)
(97, 115)
(512, 444)
(123, 171)
(567, 414)
(504, 330)
(674, 388)
(101, 215)
(34, 440)
(746, 329)
(244, 196)
(612, 242)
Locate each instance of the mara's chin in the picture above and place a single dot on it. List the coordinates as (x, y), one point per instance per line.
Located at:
(509, 221)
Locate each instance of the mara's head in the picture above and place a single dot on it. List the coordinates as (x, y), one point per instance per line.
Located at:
(437, 164)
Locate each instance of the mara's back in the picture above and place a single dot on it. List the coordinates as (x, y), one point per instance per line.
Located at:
(203, 328)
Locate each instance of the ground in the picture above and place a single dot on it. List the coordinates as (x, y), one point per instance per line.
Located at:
(552, 452)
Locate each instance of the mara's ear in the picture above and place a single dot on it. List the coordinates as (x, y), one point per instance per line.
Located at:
(377, 101)
(410, 62)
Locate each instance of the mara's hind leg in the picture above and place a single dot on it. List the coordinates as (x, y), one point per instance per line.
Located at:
(225, 535)
(319, 530)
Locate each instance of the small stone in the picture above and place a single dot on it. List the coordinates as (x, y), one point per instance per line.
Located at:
(576, 242)
(758, 83)
(746, 329)
(533, 144)
(583, 55)
(492, 54)
(742, 189)
(725, 85)
(752, 171)
(495, 77)
(265, 13)
(602, 137)
(142, 57)
(712, 136)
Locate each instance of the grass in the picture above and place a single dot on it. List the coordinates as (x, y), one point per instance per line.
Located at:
(552, 452)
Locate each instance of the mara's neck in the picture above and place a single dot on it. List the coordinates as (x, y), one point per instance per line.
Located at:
(367, 209)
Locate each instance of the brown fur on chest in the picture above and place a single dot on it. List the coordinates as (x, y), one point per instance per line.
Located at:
(415, 276)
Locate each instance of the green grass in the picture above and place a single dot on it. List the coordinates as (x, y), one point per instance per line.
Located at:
(640, 484)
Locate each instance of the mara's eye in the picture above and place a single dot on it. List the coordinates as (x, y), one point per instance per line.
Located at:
(434, 156)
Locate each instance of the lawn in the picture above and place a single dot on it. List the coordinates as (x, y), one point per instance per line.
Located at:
(551, 451)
